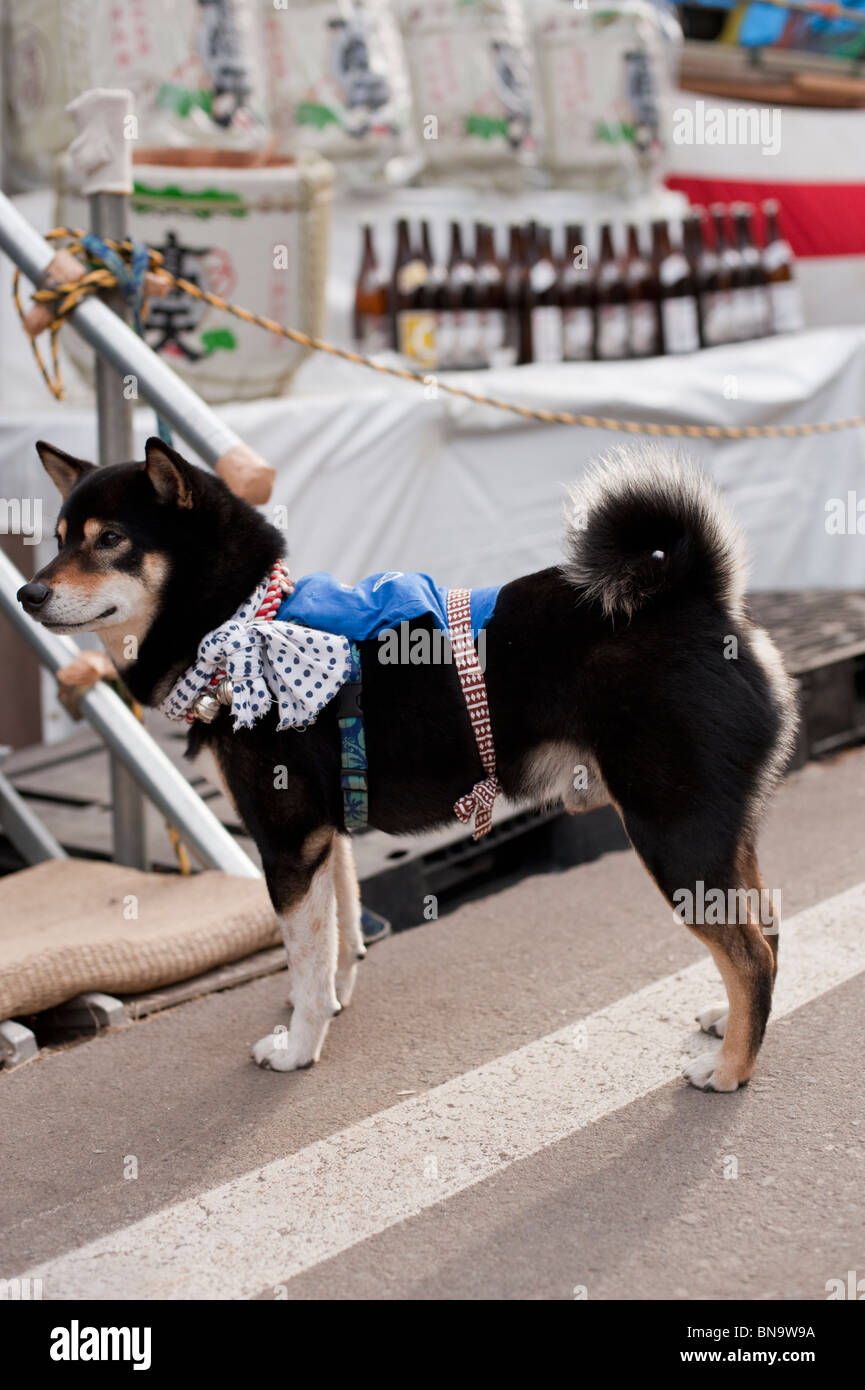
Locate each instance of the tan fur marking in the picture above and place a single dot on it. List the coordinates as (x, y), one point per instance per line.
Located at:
(315, 842)
(168, 480)
(92, 528)
(549, 772)
(85, 580)
(743, 955)
(137, 624)
(61, 531)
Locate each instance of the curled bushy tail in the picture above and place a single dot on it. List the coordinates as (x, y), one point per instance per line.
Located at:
(643, 521)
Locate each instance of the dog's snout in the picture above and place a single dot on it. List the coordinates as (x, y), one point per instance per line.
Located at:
(34, 594)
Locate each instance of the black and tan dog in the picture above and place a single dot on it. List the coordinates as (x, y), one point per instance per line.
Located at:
(632, 663)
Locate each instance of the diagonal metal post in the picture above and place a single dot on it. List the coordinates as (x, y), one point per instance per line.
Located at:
(108, 219)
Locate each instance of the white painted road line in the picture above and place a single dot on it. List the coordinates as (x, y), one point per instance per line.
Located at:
(261, 1229)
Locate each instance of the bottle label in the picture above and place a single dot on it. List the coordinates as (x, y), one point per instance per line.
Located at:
(411, 275)
(416, 336)
(445, 340)
(374, 333)
(470, 339)
(786, 302)
(577, 328)
(644, 328)
(681, 327)
(742, 316)
(493, 331)
(717, 318)
(546, 333)
(613, 331)
(760, 312)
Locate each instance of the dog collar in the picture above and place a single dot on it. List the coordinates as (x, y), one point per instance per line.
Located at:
(254, 659)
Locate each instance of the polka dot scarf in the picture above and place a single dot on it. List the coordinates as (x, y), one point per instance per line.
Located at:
(299, 667)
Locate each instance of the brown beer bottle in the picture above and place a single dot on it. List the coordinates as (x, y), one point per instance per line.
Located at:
(463, 343)
(401, 258)
(757, 280)
(409, 274)
(643, 329)
(517, 337)
(545, 310)
(435, 272)
(611, 299)
(731, 261)
(372, 324)
(432, 294)
(677, 293)
(692, 245)
(491, 300)
(784, 298)
(578, 298)
(713, 288)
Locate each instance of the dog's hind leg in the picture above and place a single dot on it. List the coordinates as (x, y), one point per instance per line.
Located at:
(305, 900)
(714, 1020)
(351, 947)
(728, 909)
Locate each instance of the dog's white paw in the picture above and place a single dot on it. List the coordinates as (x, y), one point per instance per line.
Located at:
(707, 1074)
(280, 1051)
(714, 1020)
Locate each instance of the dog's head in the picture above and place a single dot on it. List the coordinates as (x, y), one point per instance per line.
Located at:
(114, 541)
(137, 538)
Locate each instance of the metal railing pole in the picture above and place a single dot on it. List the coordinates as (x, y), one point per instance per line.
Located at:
(33, 841)
(154, 772)
(122, 348)
(114, 411)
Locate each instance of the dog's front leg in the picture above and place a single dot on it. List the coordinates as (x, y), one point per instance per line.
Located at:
(351, 944)
(304, 897)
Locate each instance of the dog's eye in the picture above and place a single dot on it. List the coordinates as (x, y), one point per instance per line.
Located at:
(107, 540)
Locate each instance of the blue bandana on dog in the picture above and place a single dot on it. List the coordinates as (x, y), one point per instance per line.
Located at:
(360, 611)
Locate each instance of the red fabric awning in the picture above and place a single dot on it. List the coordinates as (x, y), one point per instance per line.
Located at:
(818, 219)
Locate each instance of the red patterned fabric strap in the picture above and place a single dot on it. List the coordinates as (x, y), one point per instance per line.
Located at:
(479, 801)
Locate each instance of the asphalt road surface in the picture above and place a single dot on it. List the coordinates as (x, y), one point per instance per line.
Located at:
(499, 1114)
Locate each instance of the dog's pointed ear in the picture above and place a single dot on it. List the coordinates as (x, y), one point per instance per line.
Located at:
(63, 470)
(170, 475)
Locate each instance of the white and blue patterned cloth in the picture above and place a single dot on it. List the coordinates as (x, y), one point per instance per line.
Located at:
(299, 667)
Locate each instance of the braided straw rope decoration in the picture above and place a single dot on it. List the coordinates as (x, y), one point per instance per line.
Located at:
(65, 296)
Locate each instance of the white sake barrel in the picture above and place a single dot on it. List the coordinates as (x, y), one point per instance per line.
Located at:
(194, 67)
(254, 236)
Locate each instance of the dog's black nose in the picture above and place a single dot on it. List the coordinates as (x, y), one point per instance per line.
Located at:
(34, 594)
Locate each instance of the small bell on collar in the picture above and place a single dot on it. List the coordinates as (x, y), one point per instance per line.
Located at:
(225, 691)
(206, 708)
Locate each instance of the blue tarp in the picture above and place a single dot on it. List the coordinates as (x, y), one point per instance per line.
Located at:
(763, 25)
